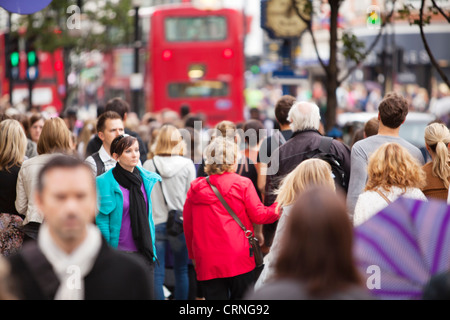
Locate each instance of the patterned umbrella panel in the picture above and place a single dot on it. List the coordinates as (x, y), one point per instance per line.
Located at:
(402, 246)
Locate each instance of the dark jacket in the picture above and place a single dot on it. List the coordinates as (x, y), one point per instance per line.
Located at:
(95, 144)
(8, 182)
(114, 276)
(287, 157)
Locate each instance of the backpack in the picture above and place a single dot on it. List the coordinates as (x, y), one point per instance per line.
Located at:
(323, 152)
(99, 163)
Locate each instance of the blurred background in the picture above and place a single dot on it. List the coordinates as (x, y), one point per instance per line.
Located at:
(229, 59)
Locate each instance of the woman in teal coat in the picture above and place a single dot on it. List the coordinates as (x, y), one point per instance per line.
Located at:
(124, 204)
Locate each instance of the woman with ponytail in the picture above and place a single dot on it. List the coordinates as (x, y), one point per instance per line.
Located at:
(437, 138)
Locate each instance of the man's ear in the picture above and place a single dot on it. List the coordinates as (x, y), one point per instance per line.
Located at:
(101, 135)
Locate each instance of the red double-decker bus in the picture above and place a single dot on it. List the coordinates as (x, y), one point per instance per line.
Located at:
(49, 88)
(196, 58)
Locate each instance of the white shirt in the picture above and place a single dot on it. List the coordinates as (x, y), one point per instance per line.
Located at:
(275, 249)
(107, 160)
(370, 202)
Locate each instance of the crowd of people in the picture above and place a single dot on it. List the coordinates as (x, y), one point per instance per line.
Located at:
(99, 196)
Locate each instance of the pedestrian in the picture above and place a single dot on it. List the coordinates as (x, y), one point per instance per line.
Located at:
(306, 268)
(437, 171)
(192, 139)
(36, 124)
(70, 259)
(227, 129)
(392, 113)
(254, 133)
(54, 139)
(177, 172)
(13, 143)
(109, 126)
(124, 203)
(31, 145)
(272, 142)
(122, 107)
(371, 127)
(392, 172)
(311, 172)
(86, 134)
(305, 123)
(218, 247)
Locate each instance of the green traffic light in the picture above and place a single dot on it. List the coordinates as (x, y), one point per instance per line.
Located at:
(14, 58)
(31, 57)
(373, 18)
(255, 69)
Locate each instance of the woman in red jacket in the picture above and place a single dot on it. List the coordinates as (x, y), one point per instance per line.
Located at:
(216, 244)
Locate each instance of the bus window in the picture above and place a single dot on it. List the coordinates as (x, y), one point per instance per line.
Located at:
(210, 28)
(205, 89)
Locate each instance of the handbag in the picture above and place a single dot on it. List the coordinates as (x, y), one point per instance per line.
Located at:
(174, 223)
(255, 249)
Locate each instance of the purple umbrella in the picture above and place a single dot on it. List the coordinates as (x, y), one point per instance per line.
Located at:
(407, 242)
(24, 6)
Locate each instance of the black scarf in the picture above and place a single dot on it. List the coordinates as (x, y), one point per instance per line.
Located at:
(138, 209)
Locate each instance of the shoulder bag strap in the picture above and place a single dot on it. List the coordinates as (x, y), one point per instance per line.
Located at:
(325, 144)
(281, 138)
(99, 163)
(383, 196)
(248, 233)
(160, 183)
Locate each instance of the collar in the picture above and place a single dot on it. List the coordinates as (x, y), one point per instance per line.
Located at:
(304, 131)
(104, 155)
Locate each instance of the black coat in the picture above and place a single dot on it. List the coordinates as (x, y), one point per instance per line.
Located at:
(114, 276)
(293, 152)
(287, 157)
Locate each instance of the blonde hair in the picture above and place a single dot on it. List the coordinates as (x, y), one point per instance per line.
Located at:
(437, 137)
(392, 165)
(169, 141)
(86, 134)
(55, 137)
(309, 172)
(13, 144)
(226, 128)
(221, 156)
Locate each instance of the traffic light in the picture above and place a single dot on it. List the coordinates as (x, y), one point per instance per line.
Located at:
(253, 64)
(32, 58)
(13, 57)
(373, 17)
